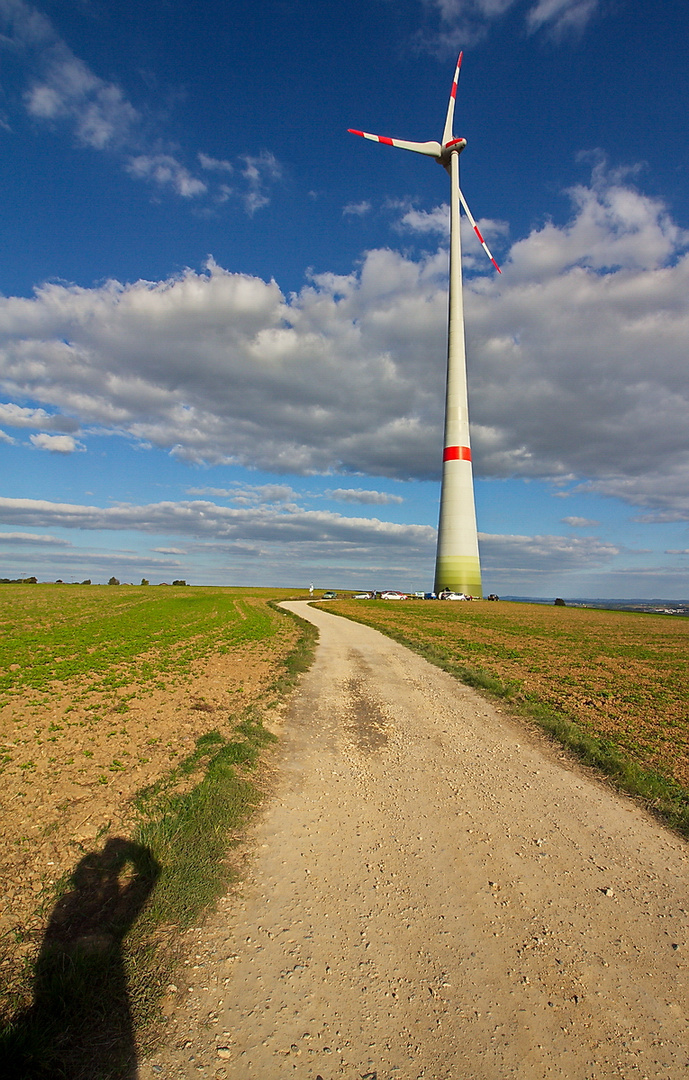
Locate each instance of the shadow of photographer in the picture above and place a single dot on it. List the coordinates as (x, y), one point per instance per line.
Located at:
(79, 1026)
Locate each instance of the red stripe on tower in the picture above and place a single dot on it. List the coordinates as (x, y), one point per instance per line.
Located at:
(453, 92)
(384, 139)
(457, 453)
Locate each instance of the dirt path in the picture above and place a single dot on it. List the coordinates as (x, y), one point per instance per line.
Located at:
(435, 894)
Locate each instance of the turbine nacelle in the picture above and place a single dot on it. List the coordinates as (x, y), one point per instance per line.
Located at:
(454, 146)
(441, 153)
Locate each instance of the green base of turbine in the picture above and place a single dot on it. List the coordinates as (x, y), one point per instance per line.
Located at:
(459, 574)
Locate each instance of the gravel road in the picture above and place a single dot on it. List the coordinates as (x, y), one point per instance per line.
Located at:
(436, 892)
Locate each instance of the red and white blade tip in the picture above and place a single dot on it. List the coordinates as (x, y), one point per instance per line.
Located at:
(484, 245)
(476, 229)
(456, 78)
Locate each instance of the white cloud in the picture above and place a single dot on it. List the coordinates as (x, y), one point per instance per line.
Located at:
(436, 222)
(544, 554)
(427, 221)
(561, 17)
(357, 209)
(99, 111)
(465, 21)
(220, 367)
(579, 522)
(56, 444)
(215, 164)
(250, 494)
(24, 25)
(578, 355)
(316, 532)
(166, 171)
(366, 498)
(662, 489)
(577, 359)
(32, 539)
(22, 417)
(259, 170)
(613, 226)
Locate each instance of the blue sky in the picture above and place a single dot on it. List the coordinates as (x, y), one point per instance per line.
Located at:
(222, 318)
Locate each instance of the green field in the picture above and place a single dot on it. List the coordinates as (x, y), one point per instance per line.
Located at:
(131, 740)
(110, 634)
(613, 685)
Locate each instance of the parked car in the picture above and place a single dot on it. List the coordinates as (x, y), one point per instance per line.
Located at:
(329, 596)
(454, 596)
(391, 594)
(364, 596)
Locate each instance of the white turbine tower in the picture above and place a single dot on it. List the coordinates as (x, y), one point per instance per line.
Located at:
(457, 565)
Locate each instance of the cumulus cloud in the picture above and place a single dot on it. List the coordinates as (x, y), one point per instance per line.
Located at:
(577, 359)
(22, 417)
(435, 221)
(56, 444)
(221, 367)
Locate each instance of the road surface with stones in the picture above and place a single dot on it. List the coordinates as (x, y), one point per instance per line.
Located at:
(436, 892)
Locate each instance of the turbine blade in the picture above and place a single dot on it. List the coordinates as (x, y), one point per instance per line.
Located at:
(484, 245)
(449, 119)
(430, 149)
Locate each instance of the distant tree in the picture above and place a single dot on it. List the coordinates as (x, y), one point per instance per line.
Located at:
(29, 581)
(86, 581)
(145, 581)
(560, 602)
(179, 581)
(113, 581)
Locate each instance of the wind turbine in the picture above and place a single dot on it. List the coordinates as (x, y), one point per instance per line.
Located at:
(457, 565)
